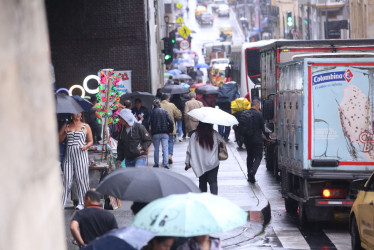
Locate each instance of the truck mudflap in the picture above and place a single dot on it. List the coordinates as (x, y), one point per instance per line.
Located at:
(333, 203)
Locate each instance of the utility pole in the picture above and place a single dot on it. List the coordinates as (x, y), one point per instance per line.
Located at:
(308, 17)
(327, 22)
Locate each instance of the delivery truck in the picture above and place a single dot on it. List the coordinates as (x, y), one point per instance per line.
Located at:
(264, 62)
(322, 119)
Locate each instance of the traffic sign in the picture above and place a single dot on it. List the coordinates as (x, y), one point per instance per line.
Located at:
(179, 5)
(180, 20)
(184, 31)
(184, 44)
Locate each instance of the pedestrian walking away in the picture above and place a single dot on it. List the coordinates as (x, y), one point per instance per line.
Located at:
(176, 99)
(92, 221)
(191, 123)
(175, 115)
(161, 127)
(252, 128)
(202, 156)
(79, 139)
(134, 141)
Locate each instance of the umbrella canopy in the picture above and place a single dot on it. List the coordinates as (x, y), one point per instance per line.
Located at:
(182, 68)
(213, 116)
(145, 97)
(126, 238)
(86, 105)
(201, 65)
(180, 61)
(67, 104)
(183, 77)
(174, 89)
(145, 184)
(207, 90)
(174, 72)
(187, 215)
(166, 75)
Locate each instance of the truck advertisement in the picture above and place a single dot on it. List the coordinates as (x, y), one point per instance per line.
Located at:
(342, 105)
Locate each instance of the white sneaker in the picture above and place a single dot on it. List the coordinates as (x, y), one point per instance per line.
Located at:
(180, 139)
(79, 207)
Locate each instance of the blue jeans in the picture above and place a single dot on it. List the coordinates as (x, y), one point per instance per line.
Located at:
(163, 138)
(224, 131)
(171, 145)
(179, 128)
(139, 162)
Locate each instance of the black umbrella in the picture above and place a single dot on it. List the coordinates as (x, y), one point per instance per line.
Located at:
(207, 90)
(126, 238)
(182, 76)
(145, 184)
(86, 105)
(67, 104)
(174, 89)
(145, 97)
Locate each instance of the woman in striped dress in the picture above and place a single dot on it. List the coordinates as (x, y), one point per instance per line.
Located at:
(79, 139)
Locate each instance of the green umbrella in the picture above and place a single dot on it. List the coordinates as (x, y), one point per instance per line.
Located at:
(166, 75)
(191, 214)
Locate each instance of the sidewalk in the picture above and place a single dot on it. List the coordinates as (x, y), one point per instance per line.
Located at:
(232, 184)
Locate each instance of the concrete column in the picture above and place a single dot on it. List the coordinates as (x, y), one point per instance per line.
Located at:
(30, 185)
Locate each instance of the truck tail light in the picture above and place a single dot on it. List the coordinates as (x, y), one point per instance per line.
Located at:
(334, 193)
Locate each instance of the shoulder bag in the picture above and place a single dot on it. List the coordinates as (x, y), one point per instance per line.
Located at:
(222, 151)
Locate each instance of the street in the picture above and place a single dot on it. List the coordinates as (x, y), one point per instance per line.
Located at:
(282, 232)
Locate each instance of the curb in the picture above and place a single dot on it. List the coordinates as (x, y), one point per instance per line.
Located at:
(263, 214)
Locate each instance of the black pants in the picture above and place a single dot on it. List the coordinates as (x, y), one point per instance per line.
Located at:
(254, 157)
(211, 178)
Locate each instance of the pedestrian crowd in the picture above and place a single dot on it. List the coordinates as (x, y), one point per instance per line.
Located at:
(166, 123)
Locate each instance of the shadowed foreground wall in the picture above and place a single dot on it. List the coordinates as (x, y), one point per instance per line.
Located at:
(30, 185)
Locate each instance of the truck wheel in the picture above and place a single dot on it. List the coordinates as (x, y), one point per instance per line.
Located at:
(291, 205)
(302, 214)
(355, 236)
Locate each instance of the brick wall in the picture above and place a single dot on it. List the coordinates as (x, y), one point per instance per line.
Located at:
(88, 35)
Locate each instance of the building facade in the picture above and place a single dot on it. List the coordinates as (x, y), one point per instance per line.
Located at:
(361, 18)
(89, 35)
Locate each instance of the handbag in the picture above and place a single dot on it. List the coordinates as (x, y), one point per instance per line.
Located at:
(222, 151)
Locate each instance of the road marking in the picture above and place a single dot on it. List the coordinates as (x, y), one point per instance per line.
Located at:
(290, 237)
(341, 240)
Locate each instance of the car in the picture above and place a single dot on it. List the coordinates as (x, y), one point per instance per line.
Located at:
(206, 18)
(199, 10)
(223, 10)
(216, 3)
(224, 61)
(226, 29)
(361, 222)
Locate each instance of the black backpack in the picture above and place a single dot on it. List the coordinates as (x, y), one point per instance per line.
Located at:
(247, 121)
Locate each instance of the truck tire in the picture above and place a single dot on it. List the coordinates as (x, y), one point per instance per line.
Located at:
(302, 214)
(355, 236)
(291, 205)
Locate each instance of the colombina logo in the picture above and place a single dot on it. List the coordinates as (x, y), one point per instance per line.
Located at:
(333, 77)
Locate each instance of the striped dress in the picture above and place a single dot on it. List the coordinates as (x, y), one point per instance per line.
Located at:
(75, 165)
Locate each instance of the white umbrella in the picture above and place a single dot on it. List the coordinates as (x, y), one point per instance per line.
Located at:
(213, 116)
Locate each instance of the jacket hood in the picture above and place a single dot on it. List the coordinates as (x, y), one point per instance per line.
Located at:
(127, 115)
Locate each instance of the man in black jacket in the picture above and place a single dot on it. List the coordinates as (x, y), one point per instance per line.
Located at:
(161, 127)
(133, 142)
(253, 139)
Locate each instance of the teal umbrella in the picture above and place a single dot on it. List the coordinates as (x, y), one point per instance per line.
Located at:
(191, 214)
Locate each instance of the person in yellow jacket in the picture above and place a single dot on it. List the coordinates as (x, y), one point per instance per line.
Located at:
(176, 115)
